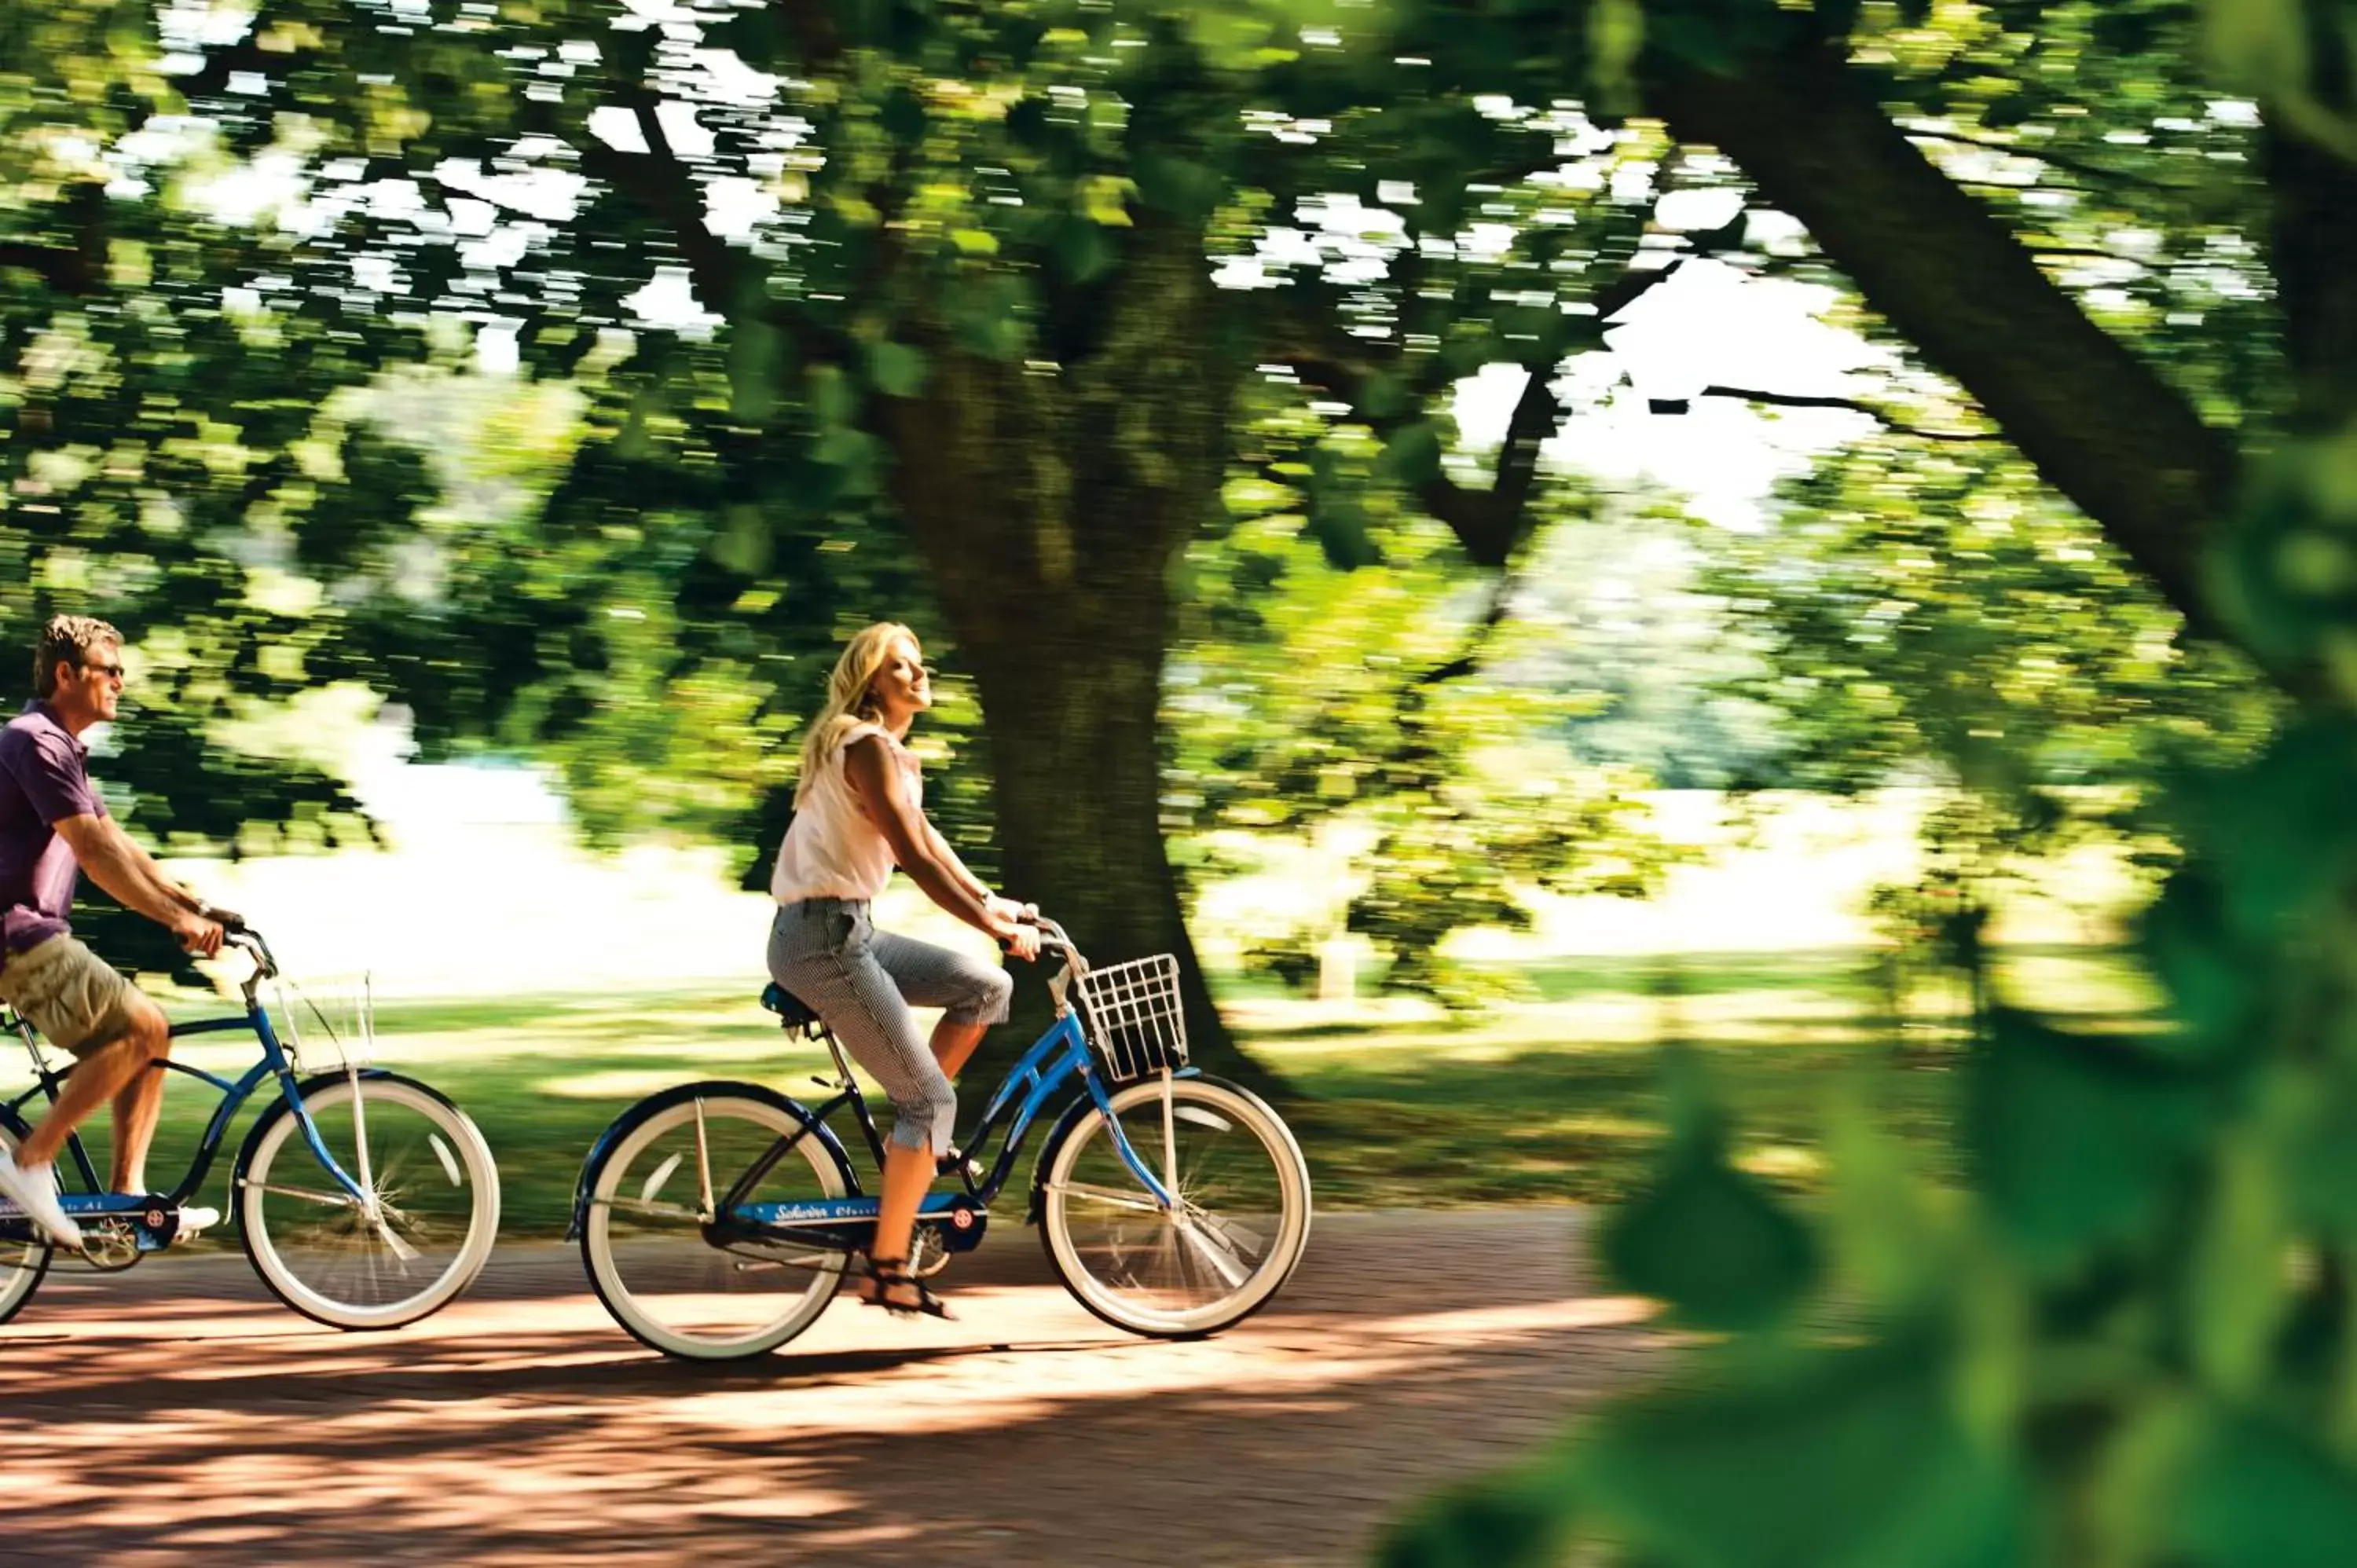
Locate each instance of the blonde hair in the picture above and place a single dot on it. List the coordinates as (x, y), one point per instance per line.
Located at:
(65, 642)
(850, 697)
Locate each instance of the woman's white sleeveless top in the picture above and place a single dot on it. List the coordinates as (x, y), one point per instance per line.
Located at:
(832, 851)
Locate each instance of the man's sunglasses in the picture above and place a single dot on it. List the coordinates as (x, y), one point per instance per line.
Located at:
(110, 668)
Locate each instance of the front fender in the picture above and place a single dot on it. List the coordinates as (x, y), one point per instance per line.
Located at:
(1082, 1104)
(277, 1111)
(653, 1104)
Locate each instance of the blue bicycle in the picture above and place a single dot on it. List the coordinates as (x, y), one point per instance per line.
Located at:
(364, 1201)
(716, 1219)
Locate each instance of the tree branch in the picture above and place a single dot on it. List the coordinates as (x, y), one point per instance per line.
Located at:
(2088, 254)
(2095, 421)
(661, 183)
(2065, 162)
(1477, 636)
(814, 27)
(1852, 405)
(67, 271)
(1488, 524)
(1536, 415)
(76, 269)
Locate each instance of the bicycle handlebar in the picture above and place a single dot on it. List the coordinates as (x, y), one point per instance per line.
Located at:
(1053, 938)
(248, 941)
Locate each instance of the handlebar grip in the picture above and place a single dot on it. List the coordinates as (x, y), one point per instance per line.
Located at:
(229, 920)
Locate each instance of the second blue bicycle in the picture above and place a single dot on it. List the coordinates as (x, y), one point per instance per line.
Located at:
(717, 1218)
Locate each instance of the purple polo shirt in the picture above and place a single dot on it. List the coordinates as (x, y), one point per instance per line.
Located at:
(43, 779)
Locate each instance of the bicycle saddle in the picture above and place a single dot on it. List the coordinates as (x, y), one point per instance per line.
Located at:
(791, 1009)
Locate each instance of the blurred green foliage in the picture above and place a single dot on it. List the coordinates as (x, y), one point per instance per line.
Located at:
(1369, 690)
(2127, 1339)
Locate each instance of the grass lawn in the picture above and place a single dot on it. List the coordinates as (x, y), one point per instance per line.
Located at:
(1552, 1097)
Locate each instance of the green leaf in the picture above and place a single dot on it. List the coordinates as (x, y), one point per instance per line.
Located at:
(743, 543)
(1707, 1238)
(1181, 187)
(1616, 36)
(2260, 46)
(2076, 1141)
(1511, 1522)
(1105, 198)
(1083, 252)
(991, 315)
(755, 356)
(2236, 1290)
(1412, 457)
(896, 369)
(1850, 1459)
(1384, 395)
(832, 398)
(1339, 525)
(2276, 828)
(903, 116)
(2259, 1495)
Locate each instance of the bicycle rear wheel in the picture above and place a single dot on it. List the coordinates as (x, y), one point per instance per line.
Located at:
(675, 1281)
(437, 1198)
(1242, 1223)
(22, 1263)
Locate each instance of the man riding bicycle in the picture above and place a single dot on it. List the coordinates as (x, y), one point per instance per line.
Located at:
(52, 824)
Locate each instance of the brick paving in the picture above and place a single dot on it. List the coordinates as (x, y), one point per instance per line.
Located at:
(177, 1413)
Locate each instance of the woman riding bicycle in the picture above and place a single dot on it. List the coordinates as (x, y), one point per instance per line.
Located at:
(859, 811)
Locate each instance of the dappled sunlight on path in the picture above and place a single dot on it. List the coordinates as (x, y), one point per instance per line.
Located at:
(176, 1409)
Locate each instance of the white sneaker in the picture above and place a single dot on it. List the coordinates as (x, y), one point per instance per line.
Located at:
(195, 1218)
(34, 1189)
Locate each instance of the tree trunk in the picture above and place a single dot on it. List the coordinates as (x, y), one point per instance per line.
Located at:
(1050, 506)
(2311, 244)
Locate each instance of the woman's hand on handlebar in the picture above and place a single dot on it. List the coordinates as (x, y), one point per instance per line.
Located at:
(1014, 926)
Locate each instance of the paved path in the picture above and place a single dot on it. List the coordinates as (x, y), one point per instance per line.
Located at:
(177, 1411)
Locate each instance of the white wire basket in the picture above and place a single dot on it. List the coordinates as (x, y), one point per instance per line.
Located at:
(328, 1023)
(1133, 1016)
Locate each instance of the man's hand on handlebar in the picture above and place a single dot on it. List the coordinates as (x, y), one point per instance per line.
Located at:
(197, 934)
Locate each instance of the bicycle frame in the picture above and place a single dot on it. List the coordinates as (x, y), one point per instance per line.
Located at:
(233, 1095)
(1053, 1060)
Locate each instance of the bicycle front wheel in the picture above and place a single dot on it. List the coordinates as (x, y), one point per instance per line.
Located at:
(676, 1281)
(22, 1263)
(1242, 1222)
(436, 1193)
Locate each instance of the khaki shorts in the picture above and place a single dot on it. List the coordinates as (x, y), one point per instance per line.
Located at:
(77, 1000)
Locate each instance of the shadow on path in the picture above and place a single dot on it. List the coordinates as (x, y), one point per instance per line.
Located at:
(177, 1410)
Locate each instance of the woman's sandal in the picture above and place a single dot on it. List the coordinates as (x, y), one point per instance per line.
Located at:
(890, 1273)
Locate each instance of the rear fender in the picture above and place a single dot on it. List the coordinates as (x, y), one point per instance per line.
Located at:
(654, 1104)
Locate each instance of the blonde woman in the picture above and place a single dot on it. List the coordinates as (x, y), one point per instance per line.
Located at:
(858, 811)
